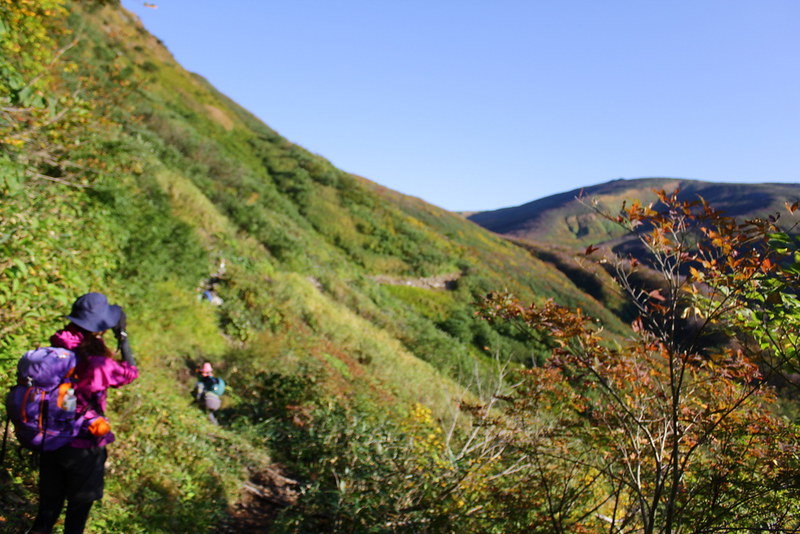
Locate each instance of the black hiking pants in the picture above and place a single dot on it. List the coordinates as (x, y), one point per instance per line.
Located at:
(72, 475)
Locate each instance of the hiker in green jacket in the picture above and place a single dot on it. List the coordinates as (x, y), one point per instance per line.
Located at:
(207, 391)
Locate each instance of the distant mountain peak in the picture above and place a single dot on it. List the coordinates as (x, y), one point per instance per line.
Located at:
(564, 220)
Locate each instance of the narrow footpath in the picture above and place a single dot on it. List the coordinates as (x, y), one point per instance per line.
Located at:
(265, 495)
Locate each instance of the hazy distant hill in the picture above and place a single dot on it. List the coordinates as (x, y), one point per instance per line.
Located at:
(567, 221)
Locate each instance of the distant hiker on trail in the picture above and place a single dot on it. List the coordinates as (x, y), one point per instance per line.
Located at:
(209, 286)
(207, 391)
(75, 472)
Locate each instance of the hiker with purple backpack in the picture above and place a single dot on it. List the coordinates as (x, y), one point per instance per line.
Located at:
(75, 471)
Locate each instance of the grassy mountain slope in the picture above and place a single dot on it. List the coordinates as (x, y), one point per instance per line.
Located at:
(123, 173)
(562, 219)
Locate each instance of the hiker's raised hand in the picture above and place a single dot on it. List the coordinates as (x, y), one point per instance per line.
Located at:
(119, 330)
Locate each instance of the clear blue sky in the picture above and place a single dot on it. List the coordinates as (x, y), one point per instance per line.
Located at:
(475, 105)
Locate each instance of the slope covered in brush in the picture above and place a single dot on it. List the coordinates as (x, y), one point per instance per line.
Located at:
(123, 173)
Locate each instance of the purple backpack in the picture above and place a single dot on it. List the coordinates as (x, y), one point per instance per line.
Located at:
(42, 404)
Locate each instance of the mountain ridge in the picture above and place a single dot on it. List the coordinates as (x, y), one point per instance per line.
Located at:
(565, 219)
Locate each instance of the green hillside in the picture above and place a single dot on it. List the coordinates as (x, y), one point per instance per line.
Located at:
(347, 328)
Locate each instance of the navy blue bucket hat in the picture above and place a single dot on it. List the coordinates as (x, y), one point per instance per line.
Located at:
(92, 312)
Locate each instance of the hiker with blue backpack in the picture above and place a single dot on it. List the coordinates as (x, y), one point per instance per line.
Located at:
(58, 409)
(207, 391)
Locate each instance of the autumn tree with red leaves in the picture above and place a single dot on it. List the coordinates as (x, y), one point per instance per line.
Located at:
(673, 430)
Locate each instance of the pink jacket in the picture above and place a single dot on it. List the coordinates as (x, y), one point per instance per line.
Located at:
(95, 375)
